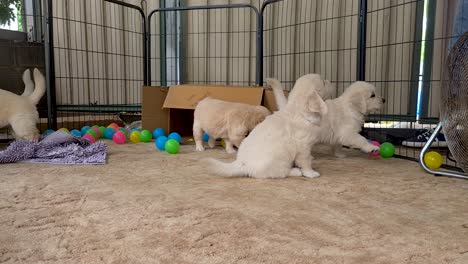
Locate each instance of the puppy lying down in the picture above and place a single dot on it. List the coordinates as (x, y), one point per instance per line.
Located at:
(283, 139)
(345, 117)
(229, 121)
(19, 111)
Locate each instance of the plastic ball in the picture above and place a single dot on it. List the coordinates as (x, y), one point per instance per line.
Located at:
(387, 150)
(96, 126)
(433, 160)
(109, 133)
(135, 137)
(172, 146)
(92, 132)
(176, 136)
(161, 142)
(135, 129)
(119, 138)
(113, 125)
(89, 137)
(98, 132)
(374, 154)
(158, 132)
(48, 131)
(145, 136)
(223, 143)
(103, 130)
(123, 131)
(76, 133)
(85, 129)
(64, 130)
(206, 137)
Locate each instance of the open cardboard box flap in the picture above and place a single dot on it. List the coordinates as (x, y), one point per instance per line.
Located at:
(188, 96)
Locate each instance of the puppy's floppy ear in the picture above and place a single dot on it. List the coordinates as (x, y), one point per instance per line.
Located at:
(358, 101)
(315, 103)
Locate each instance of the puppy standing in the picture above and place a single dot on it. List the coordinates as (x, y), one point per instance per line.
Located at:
(283, 139)
(229, 121)
(345, 117)
(19, 111)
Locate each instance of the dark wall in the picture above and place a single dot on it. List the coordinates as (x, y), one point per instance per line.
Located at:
(15, 57)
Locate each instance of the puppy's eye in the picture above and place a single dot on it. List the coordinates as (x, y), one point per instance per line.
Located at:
(373, 95)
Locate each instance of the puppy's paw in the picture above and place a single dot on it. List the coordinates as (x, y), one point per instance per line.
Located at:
(199, 148)
(370, 148)
(311, 174)
(340, 154)
(211, 143)
(295, 172)
(230, 150)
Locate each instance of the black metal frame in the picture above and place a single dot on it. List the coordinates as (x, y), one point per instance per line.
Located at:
(259, 45)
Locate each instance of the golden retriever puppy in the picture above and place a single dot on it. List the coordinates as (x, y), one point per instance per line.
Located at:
(285, 138)
(19, 111)
(227, 120)
(345, 117)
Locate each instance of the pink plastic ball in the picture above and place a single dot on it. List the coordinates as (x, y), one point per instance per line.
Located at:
(377, 153)
(89, 137)
(119, 138)
(98, 132)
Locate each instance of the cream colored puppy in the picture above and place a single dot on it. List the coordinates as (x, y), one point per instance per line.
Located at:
(229, 121)
(19, 111)
(285, 138)
(345, 117)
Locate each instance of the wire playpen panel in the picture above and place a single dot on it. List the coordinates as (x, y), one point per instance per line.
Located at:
(204, 45)
(304, 36)
(99, 60)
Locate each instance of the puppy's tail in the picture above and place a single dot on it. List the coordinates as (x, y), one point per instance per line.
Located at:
(233, 169)
(28, 83)
(39, 88)
(280, 98)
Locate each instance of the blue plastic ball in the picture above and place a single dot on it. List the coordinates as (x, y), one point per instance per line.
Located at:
(161, 142)
(48, 131)
(206, 137)
(176, 136)
(109, 133)
(76, 133)
(85, 129)
(158, 132)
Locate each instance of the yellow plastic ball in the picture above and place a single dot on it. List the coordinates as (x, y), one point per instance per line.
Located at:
(223, 144)
(433, 160)
(135, 137)
(64, 130)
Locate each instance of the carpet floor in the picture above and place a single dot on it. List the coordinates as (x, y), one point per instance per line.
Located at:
(146, 206)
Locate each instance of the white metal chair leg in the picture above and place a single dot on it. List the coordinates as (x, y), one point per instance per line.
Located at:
(438, 172)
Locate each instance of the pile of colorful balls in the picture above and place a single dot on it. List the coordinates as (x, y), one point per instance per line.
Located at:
(170, 143)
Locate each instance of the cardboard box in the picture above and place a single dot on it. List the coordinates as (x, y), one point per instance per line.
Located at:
(172, 108)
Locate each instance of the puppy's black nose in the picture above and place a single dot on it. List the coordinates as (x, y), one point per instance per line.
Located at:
(383, 100)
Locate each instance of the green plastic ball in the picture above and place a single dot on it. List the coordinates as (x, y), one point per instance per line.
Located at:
(124, 131)
(387, 150)
(172, 146)
(103, 130)
(146, 136)
(92, 133)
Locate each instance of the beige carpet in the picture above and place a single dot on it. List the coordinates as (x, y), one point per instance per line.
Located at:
(148, 207)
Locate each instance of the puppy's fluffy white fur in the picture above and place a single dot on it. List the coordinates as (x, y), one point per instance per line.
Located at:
(19, 111)
(345, 117)
(283, 139)
(227, 120)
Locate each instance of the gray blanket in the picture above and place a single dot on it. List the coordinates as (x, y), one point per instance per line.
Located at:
(56, 148)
